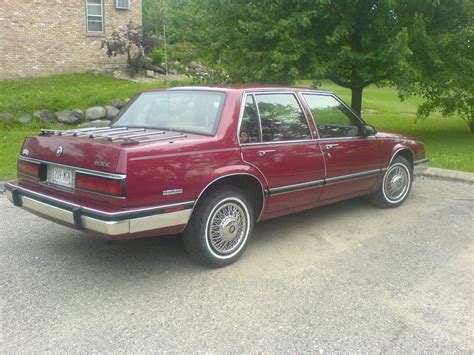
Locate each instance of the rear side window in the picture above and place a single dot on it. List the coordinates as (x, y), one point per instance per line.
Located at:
(282, 118)
(331, 117)
(249, 129)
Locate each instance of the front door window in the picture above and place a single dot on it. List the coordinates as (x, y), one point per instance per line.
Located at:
(332, 119)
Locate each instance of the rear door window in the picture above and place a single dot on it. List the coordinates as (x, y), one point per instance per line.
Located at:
(282, 118)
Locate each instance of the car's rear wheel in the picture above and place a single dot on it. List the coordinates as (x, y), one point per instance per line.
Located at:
(220, 227)
(396, 184)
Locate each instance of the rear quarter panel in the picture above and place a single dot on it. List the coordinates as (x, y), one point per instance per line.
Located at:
(191, 164)
(190, 171)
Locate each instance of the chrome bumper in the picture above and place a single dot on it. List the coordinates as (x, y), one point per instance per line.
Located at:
(419, 166)
(108, 223)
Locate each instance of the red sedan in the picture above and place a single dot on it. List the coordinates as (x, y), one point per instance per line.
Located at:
(209, 162)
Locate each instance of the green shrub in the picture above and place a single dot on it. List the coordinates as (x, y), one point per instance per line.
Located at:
(210, 77)
(183, 52)
(157, 56)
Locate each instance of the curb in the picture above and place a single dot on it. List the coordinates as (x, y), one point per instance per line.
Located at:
(449, 175)
(2, 187)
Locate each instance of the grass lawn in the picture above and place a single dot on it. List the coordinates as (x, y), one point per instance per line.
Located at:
(68, 91)
(55, 93)
(449, 143)
(10, 145)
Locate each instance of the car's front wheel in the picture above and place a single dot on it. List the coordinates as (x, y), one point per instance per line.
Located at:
(220, 227)
(396, 184)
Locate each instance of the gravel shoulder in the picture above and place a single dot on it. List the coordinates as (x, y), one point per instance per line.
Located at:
(347, 277)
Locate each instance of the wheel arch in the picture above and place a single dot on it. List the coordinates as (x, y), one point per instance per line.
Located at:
(405, 152)
(242, 180)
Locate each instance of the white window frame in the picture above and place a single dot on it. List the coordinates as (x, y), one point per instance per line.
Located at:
(101, 17)
(121, 7)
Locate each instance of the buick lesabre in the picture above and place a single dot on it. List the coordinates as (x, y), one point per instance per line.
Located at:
(210, 162)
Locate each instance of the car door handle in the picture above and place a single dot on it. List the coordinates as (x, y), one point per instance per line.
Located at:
(262, 153)
(330, 146)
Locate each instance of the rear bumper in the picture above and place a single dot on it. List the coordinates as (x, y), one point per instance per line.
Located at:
(419, 166)
(119, 223)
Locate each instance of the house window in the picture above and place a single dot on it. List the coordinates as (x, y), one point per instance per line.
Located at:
(122, 4)
(95, 16)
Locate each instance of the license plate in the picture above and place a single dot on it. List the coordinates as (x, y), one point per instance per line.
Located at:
(61, 176)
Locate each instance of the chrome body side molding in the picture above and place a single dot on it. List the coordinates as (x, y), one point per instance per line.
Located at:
(348, 177)
(320, 183)
(296, 187)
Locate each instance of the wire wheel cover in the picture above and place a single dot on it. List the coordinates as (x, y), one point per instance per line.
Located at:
(227, 228)
(396, 182)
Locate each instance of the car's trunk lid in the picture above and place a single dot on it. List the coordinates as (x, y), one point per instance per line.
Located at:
(76, 152)
(95, 148)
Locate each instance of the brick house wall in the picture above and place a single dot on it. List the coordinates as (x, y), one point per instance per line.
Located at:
(45, 37)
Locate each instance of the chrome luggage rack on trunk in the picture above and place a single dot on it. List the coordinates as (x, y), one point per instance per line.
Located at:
(115, 134)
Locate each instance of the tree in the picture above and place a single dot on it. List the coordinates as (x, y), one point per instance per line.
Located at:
(442, 41)
(363, 44)
(354, 43)
(423, 47)
(169, 21)
(177, 15)
(259, 42)
(129, 41)
(155, 15)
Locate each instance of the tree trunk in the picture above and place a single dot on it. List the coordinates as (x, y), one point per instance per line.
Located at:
(356, 100)
(129, 58)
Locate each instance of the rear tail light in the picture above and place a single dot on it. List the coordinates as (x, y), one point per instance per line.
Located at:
(98, 184)
(28, 169)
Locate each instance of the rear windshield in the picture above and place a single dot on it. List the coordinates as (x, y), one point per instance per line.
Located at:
(184, 111)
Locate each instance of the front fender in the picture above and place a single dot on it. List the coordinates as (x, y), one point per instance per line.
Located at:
(398, 148)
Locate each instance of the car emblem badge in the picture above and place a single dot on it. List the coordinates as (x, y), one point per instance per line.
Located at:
(172, 192)
(102, 163)
(59, 151)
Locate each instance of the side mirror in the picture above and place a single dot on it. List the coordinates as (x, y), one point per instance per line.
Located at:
(367, 130)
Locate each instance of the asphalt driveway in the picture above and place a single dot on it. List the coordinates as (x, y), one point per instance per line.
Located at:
(347, 277)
